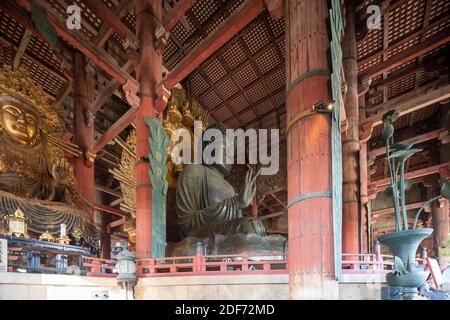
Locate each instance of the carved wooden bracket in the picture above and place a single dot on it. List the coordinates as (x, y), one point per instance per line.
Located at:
(89, 71)
(130, 90)
(89, 158)
(366, 132)
(444, 137)
(131, 48)
(89, 117)
(162, 99)
(161, 36)
(372, 191)
(365, 85)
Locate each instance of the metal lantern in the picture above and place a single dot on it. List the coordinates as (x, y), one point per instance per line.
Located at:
(17, 224)
(126, 266)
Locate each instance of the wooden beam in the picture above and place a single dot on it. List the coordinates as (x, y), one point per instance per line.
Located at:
(413, 103)
(171, 18)
(115, 129)
(112, 87)
(116, 212)
(109, 191)
(22, 48)
(383, 212)
(106, 31)
(99, 57)
(229, 28)
(103, 12)
(411, 53)
(116, 202)
(272, 215)
(116, 223)
(418, 139)
(411, 175)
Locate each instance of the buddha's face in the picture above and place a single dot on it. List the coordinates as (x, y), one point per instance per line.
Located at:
(19, 123)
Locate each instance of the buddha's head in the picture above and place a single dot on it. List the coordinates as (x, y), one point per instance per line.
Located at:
(19, 122)
(225, 166)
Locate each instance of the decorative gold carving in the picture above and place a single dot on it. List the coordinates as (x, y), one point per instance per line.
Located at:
(32, 162)
(46, 236)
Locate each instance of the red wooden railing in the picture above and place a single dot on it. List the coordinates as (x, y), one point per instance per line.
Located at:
(95, 267)
(213, 265)
(223, 264)
(366, 263)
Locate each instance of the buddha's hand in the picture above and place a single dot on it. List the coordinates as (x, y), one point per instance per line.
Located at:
(247, 193)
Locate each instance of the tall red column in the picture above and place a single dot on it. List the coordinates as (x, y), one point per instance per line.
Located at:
(350, 146)
(83, 127)
(310, 226)
(149, 73)
(440, 211)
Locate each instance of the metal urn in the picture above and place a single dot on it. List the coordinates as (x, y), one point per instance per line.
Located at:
(405, 241)
(404, 245)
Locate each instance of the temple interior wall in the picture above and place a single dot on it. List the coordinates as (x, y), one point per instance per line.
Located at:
(19, 286)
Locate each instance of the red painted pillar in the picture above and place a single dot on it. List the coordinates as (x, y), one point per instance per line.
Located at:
(149, 72)
(83, 127)
(440, 211)
(350, 146)
(310, 226)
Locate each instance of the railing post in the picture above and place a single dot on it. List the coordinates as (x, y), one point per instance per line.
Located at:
(378, 255)
(151, 268)
(96, 266)
(245, 263)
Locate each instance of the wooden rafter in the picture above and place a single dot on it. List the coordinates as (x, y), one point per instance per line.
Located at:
(116, 212)
(115, 129)
(109, 18)
(414, 101)
(22, 47)
(383, 183)
(376, 214)
(106, 31)
(417, 139)
(249, 10)
(110, 89)
(171, 18)
(99, 57)
(109, 191)
(407, 55)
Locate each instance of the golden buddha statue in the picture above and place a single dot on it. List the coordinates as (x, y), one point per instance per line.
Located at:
(35, 175)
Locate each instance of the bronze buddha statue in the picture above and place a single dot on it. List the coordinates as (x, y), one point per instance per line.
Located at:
(207, 204)
(210, 216)
(35, 175)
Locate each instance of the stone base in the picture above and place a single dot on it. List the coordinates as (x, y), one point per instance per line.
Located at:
(20, 286)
